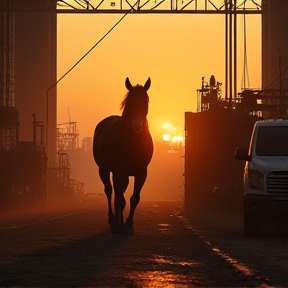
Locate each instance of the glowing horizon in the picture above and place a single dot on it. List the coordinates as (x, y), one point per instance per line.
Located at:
(169, 54)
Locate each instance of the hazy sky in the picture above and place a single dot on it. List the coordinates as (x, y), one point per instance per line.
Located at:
(174, 50)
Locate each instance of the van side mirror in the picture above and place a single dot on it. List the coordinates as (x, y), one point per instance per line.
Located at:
(241, 153)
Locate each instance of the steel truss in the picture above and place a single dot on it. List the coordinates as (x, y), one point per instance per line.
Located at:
(144, 6)
(229, 8)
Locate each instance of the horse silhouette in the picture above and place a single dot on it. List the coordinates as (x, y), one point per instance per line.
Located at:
(123, 146)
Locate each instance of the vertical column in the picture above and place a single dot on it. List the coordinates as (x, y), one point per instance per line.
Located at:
(7, 37)
(35, 70)
(274, 41)
(8, 114)
(230, 49)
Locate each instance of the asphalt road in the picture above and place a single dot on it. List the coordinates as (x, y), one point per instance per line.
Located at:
(73, 247)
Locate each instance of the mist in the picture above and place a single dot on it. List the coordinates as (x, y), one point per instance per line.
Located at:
(165, 173)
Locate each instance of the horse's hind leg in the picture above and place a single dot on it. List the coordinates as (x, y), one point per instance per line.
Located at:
(105, 177)
(134, 200)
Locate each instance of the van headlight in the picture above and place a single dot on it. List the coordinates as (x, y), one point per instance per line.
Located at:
(256, 179)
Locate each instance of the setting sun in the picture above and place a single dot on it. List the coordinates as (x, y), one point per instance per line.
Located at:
(98, 89)
(166, 137)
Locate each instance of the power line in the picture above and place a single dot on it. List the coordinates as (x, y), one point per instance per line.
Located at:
(245, 64)
(65, 74)
(90, 50)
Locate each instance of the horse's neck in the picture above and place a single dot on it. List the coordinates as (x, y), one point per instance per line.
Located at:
(126, 124)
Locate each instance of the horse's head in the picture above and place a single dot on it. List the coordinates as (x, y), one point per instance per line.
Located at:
(135, 104)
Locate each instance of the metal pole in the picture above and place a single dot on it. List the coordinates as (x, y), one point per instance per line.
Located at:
(226, 51)
(280, 89)
(34, 126)
(230, 51)
(235, 50)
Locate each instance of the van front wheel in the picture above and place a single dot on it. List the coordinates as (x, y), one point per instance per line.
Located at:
(251, 226)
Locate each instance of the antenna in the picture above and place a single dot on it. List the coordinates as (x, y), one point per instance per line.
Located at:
(69, 115)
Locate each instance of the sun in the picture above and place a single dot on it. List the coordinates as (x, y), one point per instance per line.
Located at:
(166, 137)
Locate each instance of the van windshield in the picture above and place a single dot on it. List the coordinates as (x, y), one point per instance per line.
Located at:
(272, 141)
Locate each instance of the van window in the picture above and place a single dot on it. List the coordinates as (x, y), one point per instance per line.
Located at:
(272, 141)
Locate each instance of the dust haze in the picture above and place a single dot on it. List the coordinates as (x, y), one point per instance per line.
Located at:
(165, 173)
(165, 180)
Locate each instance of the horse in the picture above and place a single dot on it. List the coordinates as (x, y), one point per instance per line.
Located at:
(123, 147)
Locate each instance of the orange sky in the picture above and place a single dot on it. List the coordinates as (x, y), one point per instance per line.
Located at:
(174, 50)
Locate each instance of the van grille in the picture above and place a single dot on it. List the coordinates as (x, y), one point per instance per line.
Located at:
(277, 182)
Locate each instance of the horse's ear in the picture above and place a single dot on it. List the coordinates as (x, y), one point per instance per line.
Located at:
(128, 84)
(147, 84)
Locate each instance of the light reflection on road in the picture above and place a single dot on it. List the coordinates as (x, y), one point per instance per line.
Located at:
(232, 261)
(161, 259)
(159, 279)
(167, 278)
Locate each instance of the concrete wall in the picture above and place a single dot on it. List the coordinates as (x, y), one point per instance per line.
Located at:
(211, 171)
(7, 37)
(274, 40)
(35, 69)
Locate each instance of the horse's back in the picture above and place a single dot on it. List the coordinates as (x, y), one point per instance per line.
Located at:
(101, 140)
(117, 148)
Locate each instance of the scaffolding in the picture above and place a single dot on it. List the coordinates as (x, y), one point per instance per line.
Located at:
(67, 136)
(208, 94)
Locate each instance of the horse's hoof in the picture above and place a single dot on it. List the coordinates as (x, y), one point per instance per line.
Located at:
(128, 230)
(116, 229)
(111, 220)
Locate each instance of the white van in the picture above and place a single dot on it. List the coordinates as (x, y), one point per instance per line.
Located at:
(265, 181)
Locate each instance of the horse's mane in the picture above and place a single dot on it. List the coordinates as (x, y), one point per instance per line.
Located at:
(136, 91)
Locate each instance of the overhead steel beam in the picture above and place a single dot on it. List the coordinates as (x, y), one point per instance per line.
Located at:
(145, 6)
(158, 11)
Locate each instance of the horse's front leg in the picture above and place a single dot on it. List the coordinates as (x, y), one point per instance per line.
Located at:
(104, 174)
(140, 179)
(120, 183)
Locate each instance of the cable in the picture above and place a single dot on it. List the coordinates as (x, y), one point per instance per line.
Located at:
(245, 65)
(47, 92)
(257, 5)
(275, 80)
(91, 49)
